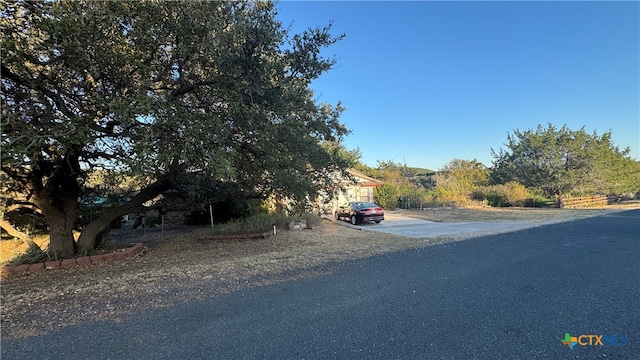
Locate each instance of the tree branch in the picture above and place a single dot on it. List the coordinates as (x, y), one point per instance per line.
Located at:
(192, 87)
(89, 234)
(4, 224)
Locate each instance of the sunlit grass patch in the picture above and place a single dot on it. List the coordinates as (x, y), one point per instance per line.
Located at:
(11, 249)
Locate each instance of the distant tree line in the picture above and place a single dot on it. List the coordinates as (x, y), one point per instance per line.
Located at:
(566, 162)
(535, 168)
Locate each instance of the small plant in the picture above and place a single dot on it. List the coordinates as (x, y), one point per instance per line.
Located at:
(31, 256)
(263, 222)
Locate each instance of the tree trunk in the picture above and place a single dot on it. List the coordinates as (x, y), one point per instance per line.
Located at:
(61, 224)
(57, 197)
(19, 234)
(101, 225)
(96, 229)
(61, 242)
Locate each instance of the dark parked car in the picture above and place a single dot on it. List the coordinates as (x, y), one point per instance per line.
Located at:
(360, 211)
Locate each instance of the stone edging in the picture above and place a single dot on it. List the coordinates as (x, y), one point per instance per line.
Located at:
(67, 263)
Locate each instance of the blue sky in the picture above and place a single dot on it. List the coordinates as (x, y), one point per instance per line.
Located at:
(427, 82)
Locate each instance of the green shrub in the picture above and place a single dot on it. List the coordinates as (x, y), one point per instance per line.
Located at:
(386, 196)
(540, 200)
(412, 197)
(509, 194)
(492, 195)
(515, 193)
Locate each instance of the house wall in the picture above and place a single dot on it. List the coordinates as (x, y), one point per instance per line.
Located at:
(352, 193)
(360, 190)
(356, 193)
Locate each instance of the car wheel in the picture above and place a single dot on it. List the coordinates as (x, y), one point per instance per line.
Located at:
(378, 221)
(354, 220)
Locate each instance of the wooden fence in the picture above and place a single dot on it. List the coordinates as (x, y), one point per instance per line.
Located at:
(586, 201)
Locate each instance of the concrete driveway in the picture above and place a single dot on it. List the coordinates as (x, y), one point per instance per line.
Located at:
(411, 227)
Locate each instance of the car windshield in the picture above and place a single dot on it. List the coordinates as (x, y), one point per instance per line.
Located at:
(364, 205)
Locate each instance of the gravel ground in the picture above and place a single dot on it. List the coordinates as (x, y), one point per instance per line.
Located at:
(178, 267)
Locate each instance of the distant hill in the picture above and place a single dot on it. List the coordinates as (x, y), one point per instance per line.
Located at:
(416, 171)
(422, 177)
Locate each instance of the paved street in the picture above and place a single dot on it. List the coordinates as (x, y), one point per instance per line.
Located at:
(507, 296)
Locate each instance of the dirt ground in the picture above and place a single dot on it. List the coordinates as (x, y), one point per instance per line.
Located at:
(178, 267)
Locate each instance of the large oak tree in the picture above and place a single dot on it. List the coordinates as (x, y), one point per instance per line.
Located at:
(158, 91)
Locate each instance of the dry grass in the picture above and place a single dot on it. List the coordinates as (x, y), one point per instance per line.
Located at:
(177, 269)
(11, 248)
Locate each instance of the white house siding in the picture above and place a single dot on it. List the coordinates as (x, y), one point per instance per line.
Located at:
(361, 190)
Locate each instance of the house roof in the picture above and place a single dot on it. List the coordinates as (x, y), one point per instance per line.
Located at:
(364, 180)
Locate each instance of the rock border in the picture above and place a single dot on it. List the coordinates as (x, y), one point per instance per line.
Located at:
(67, 263)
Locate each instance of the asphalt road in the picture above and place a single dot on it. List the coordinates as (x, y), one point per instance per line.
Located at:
(507, 296)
